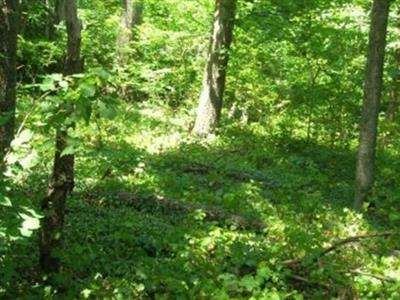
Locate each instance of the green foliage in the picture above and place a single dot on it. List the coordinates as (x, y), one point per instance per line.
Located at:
(116, 250)
(284, 158)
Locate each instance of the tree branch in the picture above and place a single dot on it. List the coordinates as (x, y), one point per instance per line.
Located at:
(335, 246)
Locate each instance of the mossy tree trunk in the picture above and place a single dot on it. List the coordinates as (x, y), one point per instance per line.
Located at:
(211, 97)
(62, 179)
(9, 17)
(371, 103)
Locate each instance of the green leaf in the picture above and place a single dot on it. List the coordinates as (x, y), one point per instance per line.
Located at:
(29, 161)
(56, 77)
(107, 112)
(88, 91)
(249, 283)
(64, 84)
(100, 72)
(5, 201)
(264, 272)
(86, 293)
(47, 85)
(69, 150)
(29, 224)
(24, 137)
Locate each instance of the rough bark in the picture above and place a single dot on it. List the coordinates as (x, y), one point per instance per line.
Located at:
(62, 180)
(8, 52)
(211, 97)
(371, 103)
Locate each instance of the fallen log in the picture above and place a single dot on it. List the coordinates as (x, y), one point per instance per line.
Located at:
(239, 175)
(156, 203)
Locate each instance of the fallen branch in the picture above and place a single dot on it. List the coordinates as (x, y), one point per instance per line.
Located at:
(308, 282)
(335, 246)
(376, 276)
(234, 174)
(355, 239)
(156, 203)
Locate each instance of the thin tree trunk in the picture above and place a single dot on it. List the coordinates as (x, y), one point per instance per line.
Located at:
(62, 180)
(132, 16)
(59, 11)
(211, 97)
(394, 100)
(393, 105)
(8, 54)
(56, 11)
(372, 95)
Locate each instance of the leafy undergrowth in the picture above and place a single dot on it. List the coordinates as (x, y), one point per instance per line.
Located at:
(115, 248)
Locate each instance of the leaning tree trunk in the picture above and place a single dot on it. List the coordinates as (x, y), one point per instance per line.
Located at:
(8, 72)
(372, 95)
(62, 180)
(210, 102)
(132, 16)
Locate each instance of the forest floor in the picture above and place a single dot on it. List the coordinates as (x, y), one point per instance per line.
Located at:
(158, 214)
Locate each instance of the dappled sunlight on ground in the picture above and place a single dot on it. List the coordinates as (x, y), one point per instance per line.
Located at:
(164, 215)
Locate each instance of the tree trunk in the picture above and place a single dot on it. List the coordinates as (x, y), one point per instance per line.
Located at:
(393, 105)
(8, 72)
(56, 9)
(372, 95)
(62, 180)
(59, 11)
(132, 16)
(211, 97)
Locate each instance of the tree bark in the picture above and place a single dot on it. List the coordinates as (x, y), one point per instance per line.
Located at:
(211, 97)
(8, 72)
(132, 16)
(371, 103)
(59, 11)
(62, 180)
(56, 10)
(393, 105)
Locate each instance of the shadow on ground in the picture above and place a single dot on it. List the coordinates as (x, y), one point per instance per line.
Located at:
(299, 191)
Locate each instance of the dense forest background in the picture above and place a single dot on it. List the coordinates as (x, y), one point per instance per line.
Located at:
(256, 200)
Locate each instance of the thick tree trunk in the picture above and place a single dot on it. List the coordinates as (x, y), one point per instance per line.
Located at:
(372, 95)
(8, 73)
(132, 16)
(211, 97)
(62, 180)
